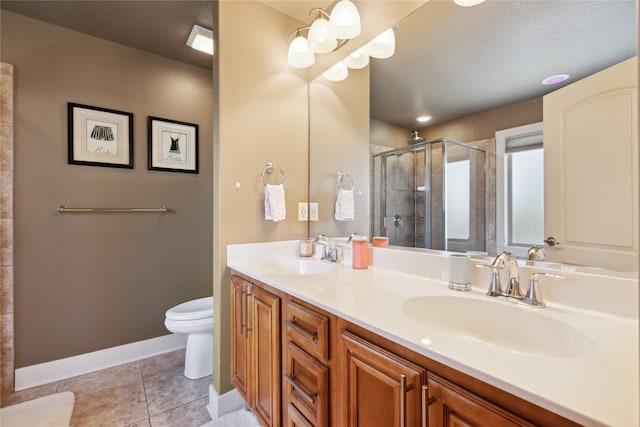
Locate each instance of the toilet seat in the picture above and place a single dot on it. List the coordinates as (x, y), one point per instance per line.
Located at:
(201, 308)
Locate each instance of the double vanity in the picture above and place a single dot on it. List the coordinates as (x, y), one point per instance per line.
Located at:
(316, 343)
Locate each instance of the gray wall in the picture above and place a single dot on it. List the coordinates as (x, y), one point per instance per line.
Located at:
(85, 282)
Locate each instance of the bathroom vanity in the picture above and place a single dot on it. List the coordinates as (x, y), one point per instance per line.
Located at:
(319, 344)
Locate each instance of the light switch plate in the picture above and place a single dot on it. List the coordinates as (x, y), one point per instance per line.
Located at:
(313, 211)
(303, 211)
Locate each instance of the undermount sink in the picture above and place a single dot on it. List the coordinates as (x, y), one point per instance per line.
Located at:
(298, 266)
(500, 324)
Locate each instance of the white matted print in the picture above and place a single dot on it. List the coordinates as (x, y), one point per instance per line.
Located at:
(99, 136)
(173, 145)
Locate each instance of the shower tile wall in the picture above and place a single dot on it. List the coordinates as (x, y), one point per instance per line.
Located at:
(6, 230)
(399, 199)
(483, 226)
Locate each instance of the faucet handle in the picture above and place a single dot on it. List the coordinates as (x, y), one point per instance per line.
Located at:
(495, 287)
(533, 297)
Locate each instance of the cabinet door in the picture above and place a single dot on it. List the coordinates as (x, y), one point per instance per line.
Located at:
(378, 387)
(264, 329)
(240, 344)
(453, 406)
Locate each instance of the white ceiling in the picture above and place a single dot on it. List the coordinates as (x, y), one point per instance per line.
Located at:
(449, 62)
(453, 61)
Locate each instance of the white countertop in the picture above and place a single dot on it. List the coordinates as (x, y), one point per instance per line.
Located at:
(599, 385)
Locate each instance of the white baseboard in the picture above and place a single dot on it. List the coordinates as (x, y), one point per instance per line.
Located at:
(220, 404)
(56, 370)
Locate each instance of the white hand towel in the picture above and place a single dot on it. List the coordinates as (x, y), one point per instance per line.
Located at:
(345, 210)
(274, 205)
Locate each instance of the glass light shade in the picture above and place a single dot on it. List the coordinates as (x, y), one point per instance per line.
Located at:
(336, 73)
(344, 21)
(467, 3)
(299, 54)
(358, 59)
(319, 39)
(382, 46)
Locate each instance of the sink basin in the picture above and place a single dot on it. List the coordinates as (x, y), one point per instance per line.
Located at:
(498, 324)
(297, 266)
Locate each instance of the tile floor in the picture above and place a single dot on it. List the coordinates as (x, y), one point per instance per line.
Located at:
(148, 393)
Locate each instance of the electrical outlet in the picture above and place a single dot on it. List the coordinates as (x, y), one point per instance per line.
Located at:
(303, 211)
(313, 211)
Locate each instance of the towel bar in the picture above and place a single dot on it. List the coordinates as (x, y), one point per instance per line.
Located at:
(268, 170)
(64, 209)
(350, 183)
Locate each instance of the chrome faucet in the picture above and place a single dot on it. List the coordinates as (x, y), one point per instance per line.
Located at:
(513, 287)
(535, 253)
(329, 251)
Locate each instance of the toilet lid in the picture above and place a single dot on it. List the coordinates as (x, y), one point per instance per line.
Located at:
(196, 309)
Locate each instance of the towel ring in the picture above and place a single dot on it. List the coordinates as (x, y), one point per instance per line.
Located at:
(345, 182)
(268, 170)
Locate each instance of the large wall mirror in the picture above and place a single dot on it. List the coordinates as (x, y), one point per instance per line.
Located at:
(475, 71)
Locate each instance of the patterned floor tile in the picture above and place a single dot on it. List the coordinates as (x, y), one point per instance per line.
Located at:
(128, 373)
(193, 414)
(172, 389)
(115, 407)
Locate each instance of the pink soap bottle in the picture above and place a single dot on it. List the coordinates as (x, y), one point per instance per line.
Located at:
(360, 249)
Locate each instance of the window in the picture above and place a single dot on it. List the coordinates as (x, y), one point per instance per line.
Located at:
(457, 198)
(519, 188)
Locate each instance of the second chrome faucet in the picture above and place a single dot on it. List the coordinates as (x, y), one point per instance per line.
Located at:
(532, 297)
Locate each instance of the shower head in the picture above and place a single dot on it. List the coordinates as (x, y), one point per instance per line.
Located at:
(414, 138)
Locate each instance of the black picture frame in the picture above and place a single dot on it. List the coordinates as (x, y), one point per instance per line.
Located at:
(172, 145)
(99, 136)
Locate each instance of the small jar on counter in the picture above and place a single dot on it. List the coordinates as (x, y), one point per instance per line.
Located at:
(360, 249)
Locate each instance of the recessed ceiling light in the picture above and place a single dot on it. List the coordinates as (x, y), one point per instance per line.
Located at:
(423, 119)
(555, 79)
(201, 39)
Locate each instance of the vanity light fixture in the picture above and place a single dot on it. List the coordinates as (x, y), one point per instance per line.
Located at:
(325, 34)
(299, 55)
(423, 119)
(357, 60)
(555, 79)
(201, 39)
(320, 41)
(383, 46)
(336, 73)
(468, 3)
(344, 22)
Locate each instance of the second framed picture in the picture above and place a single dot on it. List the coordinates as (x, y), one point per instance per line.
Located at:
(173, 145)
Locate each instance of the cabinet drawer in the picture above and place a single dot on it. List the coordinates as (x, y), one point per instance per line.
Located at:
(295, 418)
(306, 384)
(308, 329)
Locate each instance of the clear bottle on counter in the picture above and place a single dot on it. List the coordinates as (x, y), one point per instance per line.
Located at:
(360, 249)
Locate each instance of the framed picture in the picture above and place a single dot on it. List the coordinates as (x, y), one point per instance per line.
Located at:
(173, 145)
(99, 136)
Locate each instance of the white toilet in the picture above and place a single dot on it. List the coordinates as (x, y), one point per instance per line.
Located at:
(195, 319)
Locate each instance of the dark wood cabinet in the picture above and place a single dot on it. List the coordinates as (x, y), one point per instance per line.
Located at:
(310, 368)
(255, 339)
(452, 406)
(378, 388)
(306, 374)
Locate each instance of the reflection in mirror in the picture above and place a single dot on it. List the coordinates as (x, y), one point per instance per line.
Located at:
(430, 195)
(476, 71)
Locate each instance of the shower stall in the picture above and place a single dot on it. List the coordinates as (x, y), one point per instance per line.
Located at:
(430, 195)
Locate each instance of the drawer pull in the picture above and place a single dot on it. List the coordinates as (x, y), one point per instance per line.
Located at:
(403, 400)
(425, 406)
(291, 379)
(298, 329)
